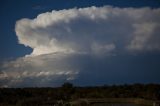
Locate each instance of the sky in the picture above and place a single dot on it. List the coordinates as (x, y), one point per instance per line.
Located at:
(45, 43)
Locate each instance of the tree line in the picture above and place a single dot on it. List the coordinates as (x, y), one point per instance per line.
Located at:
(68, 92)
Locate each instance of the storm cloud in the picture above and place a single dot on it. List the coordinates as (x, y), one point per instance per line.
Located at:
(67, 43)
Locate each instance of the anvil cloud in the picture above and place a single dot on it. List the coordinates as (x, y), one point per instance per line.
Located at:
(57, 36)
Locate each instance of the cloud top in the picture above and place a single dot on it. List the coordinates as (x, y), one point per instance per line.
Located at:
(83, 29)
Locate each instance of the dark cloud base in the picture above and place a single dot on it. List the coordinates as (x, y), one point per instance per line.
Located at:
(118, 69)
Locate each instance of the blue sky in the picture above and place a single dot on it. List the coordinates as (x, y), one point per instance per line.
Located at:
(133, 67)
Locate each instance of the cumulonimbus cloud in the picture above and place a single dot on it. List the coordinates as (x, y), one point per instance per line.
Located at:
(94, 31)
(79, 30)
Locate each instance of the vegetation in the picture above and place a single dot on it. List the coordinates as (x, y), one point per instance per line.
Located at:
(68, 93)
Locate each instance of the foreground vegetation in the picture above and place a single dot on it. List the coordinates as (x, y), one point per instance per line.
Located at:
(68, 94)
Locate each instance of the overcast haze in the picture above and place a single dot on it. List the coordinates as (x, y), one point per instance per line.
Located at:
(46, 43)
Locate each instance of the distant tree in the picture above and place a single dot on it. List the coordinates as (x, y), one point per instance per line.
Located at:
(67, 90)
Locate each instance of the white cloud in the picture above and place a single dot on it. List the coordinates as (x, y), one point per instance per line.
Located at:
(75, 30)
(46, 68)
(92, 31)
